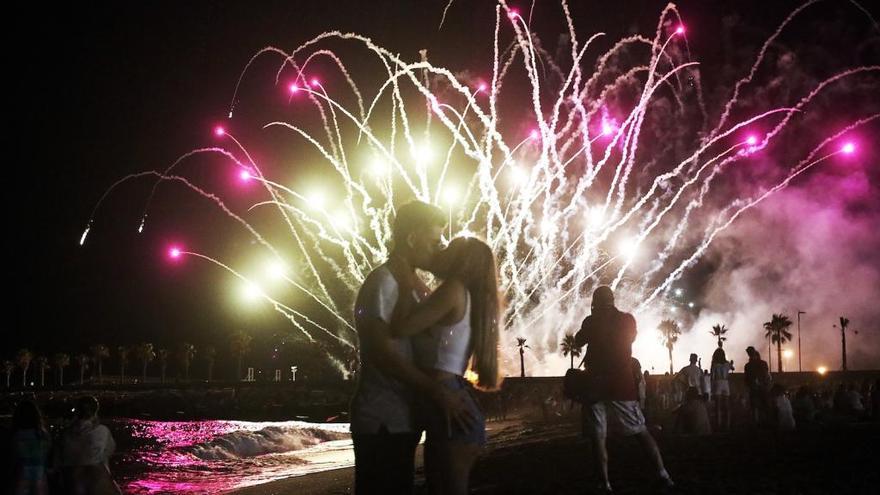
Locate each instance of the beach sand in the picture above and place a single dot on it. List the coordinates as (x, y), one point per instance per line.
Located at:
(552, 459)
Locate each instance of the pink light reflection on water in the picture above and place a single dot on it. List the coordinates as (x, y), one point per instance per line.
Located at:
(169, 461)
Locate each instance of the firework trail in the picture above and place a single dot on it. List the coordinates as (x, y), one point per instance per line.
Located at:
(607, 177)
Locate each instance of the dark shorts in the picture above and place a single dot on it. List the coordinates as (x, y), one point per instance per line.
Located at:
(384, 463)
(434, 420)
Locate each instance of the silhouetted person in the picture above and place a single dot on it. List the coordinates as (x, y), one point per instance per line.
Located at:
(30, 450)
(757, 378)
(383, 429)
(84, 450)
(692, 418)
(875, 400)
(609, 334)
(720, 372)
(782, 411)
(691, 375)
(804, 406)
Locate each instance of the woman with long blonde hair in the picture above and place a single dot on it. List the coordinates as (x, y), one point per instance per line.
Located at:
(453, 330)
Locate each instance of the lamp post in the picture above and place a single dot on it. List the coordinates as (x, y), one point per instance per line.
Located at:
(799, 339)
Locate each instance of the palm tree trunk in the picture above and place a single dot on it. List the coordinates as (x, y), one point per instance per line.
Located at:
(843, 347)
(24, 377)
(572, 360)
(779, 355)
(522, 363)
(42, 377)
(671, 369)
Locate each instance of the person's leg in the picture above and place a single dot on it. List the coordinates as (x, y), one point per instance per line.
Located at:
(433, 464)
(725, 411)
(597, 429)
(653, 451)
(399, 470)
(367, 469)
(631, 422)
(458, 461)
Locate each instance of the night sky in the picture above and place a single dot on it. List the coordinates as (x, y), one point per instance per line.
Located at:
(101, 90)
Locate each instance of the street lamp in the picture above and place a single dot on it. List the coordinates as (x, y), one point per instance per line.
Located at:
(799, 339)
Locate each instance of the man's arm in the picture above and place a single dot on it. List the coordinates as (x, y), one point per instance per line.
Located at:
(410, 319)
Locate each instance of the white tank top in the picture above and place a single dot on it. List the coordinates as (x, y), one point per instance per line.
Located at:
(446, 347)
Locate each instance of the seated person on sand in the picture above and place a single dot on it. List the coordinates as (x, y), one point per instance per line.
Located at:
(692, 418)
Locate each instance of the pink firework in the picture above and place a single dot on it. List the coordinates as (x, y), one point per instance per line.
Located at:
(849, 148)
(752, 140)
(679, 29)
(219, 131)
(534, 134)
(174, 252)
(245, 175)
(293, 88)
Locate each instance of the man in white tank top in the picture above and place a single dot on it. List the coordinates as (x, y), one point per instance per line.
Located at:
(382, 428)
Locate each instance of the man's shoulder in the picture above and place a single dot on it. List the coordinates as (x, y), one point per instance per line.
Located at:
(381, 276)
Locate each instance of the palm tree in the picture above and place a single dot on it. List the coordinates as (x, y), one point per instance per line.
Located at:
(61, 360)
(8, 367)
(570, 348)
(24, 358)
(718, 332)
(240, 345)
(185, 354)
(99, 353)
(521, 344)
(777, 332)
(144, 353)
(669, 333)
(83, 361)
(124, 352)
(844, 324)
(163, 362)
(42, 365)
(209, 353)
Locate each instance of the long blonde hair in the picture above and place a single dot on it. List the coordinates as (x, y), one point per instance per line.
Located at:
(471, 262)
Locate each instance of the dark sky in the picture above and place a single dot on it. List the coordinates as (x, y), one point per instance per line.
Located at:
(101, 90)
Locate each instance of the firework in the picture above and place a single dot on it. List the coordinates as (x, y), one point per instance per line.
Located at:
(615, 182)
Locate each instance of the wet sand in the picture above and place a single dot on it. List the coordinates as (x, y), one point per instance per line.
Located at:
(552, 459)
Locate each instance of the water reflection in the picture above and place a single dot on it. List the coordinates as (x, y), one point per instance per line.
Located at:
(217, 456)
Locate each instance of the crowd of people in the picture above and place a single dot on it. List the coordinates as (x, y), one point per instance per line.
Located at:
(702, 400)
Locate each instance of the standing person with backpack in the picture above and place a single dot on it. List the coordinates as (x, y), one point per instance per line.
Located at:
(609, 334)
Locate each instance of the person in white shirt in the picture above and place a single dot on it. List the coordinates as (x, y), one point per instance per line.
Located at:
(691, 375)
(384, 432)
(84, 451)
(721, 369)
